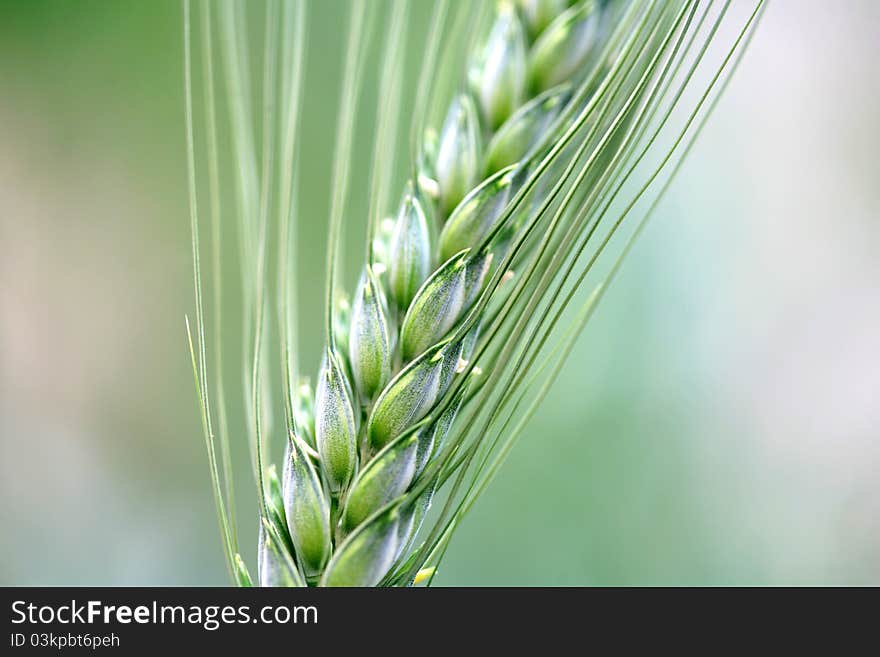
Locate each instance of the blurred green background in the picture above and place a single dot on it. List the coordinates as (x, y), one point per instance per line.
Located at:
(717, 424)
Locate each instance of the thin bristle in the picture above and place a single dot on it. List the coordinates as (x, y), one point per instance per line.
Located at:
(199, 363)
(216, 265)
(351, 82)
(387, 112)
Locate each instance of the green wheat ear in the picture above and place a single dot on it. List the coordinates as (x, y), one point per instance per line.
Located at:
(529, 177)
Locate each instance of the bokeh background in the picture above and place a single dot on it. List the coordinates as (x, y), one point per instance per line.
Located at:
(718, 423)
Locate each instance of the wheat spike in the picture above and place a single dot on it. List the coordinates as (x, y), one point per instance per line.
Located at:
(455, 328)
